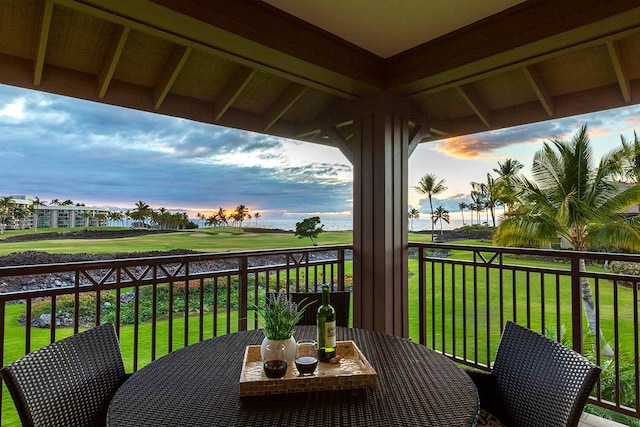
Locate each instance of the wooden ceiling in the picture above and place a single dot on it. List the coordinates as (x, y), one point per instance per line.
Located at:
(249, 65)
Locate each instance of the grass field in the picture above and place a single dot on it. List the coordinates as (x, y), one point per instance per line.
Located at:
(228, 239)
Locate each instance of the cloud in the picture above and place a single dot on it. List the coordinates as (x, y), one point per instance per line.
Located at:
(63, 148)
(486, 144)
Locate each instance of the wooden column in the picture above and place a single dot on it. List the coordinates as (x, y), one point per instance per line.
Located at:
(380, 267)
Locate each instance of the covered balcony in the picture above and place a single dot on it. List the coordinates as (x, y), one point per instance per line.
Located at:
(297, 71)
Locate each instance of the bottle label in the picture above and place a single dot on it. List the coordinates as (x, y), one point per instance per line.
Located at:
(330, 334)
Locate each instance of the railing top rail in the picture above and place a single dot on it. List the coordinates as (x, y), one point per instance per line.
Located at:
(556, 253)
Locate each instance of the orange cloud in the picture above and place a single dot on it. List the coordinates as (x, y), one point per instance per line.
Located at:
(465, 147)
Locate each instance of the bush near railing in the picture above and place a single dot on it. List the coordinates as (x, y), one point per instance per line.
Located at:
(214, 293)
(626, 268)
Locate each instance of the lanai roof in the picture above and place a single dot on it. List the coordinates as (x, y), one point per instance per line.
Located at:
(295, 68)
(371, 77)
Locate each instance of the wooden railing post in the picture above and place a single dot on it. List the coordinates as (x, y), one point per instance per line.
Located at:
(340, 256)
(243, 280)
(422, 299)
(576, 305)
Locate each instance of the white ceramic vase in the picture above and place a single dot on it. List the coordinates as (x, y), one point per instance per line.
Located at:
(289, 345)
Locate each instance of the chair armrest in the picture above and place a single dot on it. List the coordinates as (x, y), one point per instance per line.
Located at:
(488, 391)
(124, 378)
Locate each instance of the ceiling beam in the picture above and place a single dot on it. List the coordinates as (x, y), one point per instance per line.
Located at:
(112, 59)
(476, 103)
(344, 145)
(285, 101)
(541, 90)
(417, 135)
(169, 74)
(518, 34)
(621, 71)
(232, 90)
(42, 43)
(204, 28)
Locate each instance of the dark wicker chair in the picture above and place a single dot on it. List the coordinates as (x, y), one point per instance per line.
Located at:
(535, 381)
(340, 301)
(69, 382)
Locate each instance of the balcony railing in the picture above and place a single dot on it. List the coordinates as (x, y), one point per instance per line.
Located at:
(459, 298)
(157, 304)
(465, 295)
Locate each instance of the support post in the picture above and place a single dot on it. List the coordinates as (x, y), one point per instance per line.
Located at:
(380, 241)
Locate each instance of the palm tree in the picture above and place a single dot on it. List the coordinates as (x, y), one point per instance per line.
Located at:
(506, 193)
(35, 204)
(55, 202)
(240, 214)
(462, 206)
(87, 215)
(430, 186)
(116, 216)
(256, 216)
(630, 161)
(478, 203)
(490, 194)
(221, 217)
(472, 208)
(6, 203)
(141, 212)
(413, 214)
(19, 215)
(570, 198)
(441, 214)
(162, 218)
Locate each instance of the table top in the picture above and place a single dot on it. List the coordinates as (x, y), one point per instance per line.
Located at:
(199, 386)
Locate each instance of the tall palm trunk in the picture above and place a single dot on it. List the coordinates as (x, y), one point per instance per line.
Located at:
(432, 221)
(590, 309)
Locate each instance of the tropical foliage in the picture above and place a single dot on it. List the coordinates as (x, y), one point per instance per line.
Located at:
(430, 186)
(569, 197)
(309, 227)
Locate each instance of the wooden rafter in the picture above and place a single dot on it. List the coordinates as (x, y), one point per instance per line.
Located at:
(232, 90)
(621, 71)
(344, 145)
(169, 75)
(112, 59)
(476, 103)
(42, 43)
(284, 102)
(417, 135)
(541, 90)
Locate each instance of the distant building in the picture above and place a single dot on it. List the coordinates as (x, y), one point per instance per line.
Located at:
(54, 216)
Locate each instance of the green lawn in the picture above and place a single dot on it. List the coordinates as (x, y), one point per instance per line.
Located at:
(202, 240)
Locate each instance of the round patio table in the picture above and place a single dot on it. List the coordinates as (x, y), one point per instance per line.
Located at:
(198, 386)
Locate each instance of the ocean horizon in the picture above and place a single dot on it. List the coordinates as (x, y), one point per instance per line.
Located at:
(342, 224)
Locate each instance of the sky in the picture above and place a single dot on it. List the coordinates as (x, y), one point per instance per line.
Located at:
(62, 148)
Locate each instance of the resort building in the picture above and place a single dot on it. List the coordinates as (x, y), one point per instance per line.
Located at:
(55, 216)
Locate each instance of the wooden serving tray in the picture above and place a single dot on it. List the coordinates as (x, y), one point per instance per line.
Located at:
(353, 371)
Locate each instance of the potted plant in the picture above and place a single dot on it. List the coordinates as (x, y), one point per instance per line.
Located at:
(279, 316)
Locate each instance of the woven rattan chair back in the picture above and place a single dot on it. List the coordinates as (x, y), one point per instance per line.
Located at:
(540, 381)
(340, 300)
(69, 382)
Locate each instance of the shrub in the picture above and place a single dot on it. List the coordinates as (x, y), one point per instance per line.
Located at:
(626, 268)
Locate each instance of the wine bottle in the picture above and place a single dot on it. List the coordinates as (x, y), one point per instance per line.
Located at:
(326, 320)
